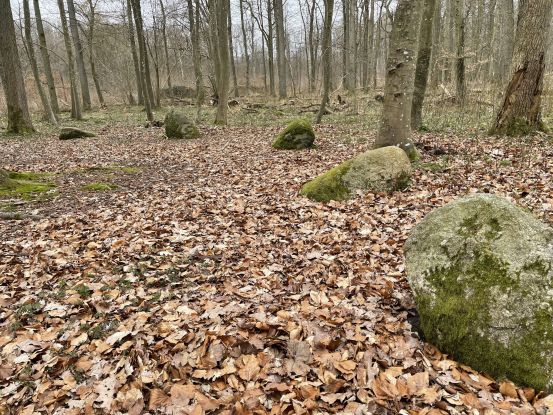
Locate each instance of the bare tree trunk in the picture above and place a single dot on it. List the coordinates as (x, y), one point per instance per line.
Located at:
(75, 99)
(507, 40)
(218, 24)
(460, 54)
(83, 79)
(166, 48)
(395, 128)
(196, 56)
(231, 54)
(48, 113)
(423, 62)
(148, 93)
(270, 48)
(19, 119)
(245, 42)
(91, 27)
(520, 112)
(46, 59)
(155, 57)
(281, 50)
(136, 62)
(327, 57)
(312, 48)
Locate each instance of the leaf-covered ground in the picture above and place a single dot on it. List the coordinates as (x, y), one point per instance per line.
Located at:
(198, 281)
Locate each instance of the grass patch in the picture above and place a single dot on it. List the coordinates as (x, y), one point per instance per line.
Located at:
(100, 187)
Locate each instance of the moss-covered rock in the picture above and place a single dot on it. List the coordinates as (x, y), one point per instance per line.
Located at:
(25, 185)
(385, 169)
(297, 135)
(481, 269)
(177, 125)
(71, 133)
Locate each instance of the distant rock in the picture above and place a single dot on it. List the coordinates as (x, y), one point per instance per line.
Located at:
(385, 169)
(298, 135)
(177, 125)
(71, 133)
(481, 269)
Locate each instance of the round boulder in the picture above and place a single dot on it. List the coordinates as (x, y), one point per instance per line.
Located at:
(298, 135)
(481, 270)
(385, 169)
(177, 125)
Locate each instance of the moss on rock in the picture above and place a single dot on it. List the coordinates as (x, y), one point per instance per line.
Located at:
(298, 135)
(177, 125)
(482, 273)
(386, 169)
(71, 133)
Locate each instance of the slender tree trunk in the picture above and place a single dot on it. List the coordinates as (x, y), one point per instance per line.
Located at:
(48, 113)
(91, 27)
(136, 61)
(155, 57)
(491, 35)
(312, 48)
(520, 112)
(19, 119)
(145, 79)
(166, 48)
(460, 55)
(435, 73)
(423, 62)
(507, 40)
(281, 49)
(245, 42)
(327, 57)
(75, 99)
(218, 23)
(270, 49)
(46, 59)
(196, 56)
(79, 55)
(395, 128)
(231, 54)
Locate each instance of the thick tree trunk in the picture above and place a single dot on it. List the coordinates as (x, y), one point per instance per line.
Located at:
(218, 24)
(48, 113)
(46, 59)
(75, 99)
(395, 128)
(19, 119)
(326, 58)
(281, 48)
(79, 55)
(145, 79)
(245, 43)
(136, 61)
(520, 112)
(423, 62)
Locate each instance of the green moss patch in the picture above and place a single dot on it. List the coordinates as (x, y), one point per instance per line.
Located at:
(25, 185)
(328, 186)
(100, 187)
(297, 135)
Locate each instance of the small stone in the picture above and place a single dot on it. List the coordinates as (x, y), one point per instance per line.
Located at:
(177, 125)
(298, 135)
(71, 133)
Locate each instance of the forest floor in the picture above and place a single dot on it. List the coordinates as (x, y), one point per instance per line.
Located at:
(189, 277)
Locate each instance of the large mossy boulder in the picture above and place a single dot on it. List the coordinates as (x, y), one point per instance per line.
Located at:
(385, 169)
(178, 125)
(481, 270)
(297, 135)
(72, 133)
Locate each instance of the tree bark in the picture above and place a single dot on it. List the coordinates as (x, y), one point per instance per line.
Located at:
(19, 119)
(327, 57)
(245, 43)
(166, 48)
(460, 54)
(48, 113)
(395, 127)
(147, 90)
(270, 48)
(193, 18)
(90, 39)
(423, 62)
(281, 49)
(46, 59)
(79, 55)
(231, 54)
(218, 24)
(75, 99)
(520, 111)
(136, 61)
